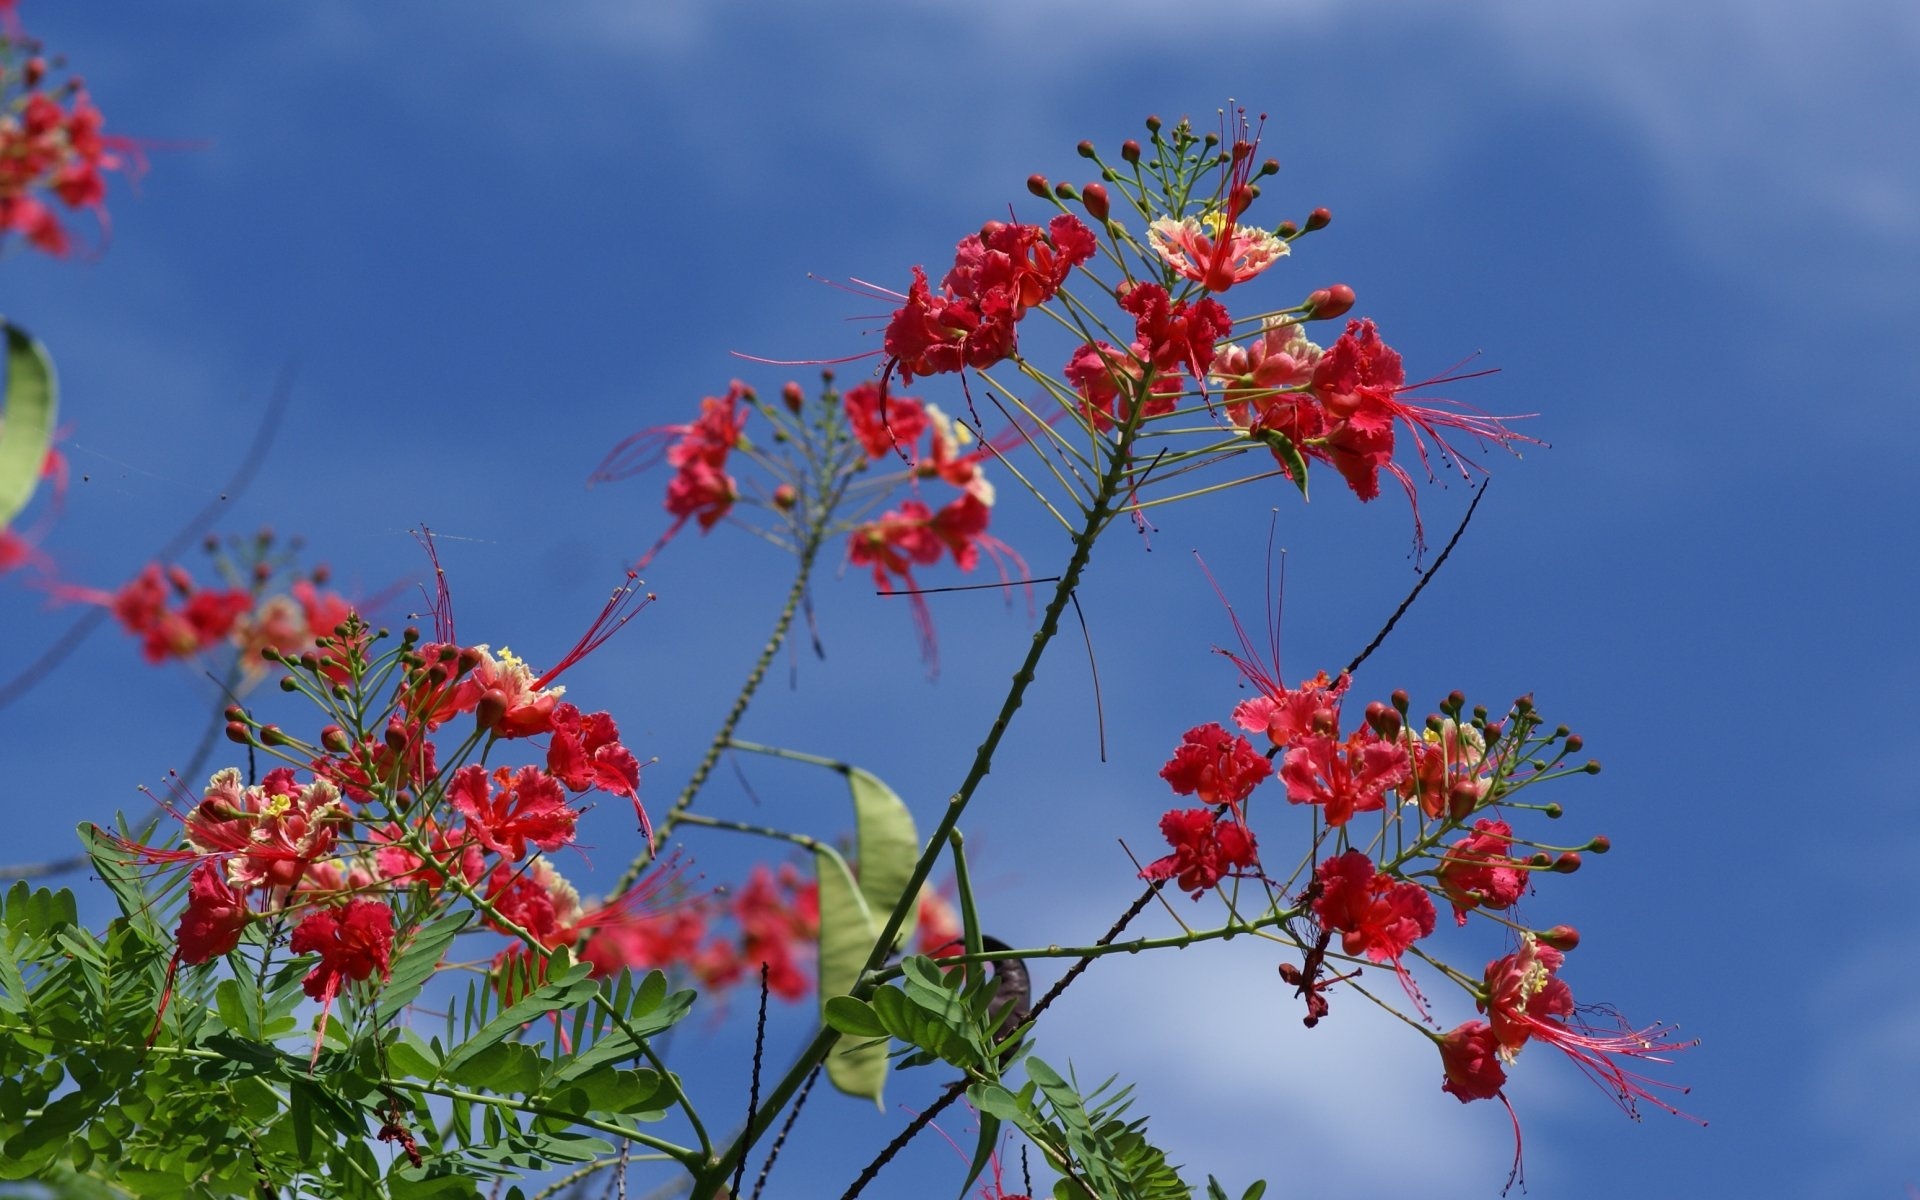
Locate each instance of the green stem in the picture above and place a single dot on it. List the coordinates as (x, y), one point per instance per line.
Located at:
(1100, 951)
(708, 1182)
(766, 831)
(680, 1154)
(723, 737)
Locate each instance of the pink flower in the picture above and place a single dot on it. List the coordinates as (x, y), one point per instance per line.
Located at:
(1344, 778)
(1477, 872)
(1217, 263)
(1376, 915)
(1526, 1001)
(508, 810)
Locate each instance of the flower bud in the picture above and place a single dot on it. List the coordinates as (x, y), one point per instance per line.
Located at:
(436, 675)
(1318, 218)
(792, 396)
(1401, 701)
(1592, 767)
(1553, 810)
(1130, 151)
(270, 735)
(34, 71)
(262, 572)
(1600, 844)
(1462, 798)
(1494, 732)
(1540, 860)
(396, 736)
(1037, 184)
(491, 708)
(785, 497)
(321, 573)
(469, 659)
(1560, 937)
(1086, 150)
(309, 661)
(1269, 167)
(287, 684)
(334, 739)
(1153, 123)
(235, 713)
(1383, 720)
(1286, 229)
(236, 732)
(1095, 196)
(1065, 191)
(1329, 302)
(1574, 743)
(1566, 864)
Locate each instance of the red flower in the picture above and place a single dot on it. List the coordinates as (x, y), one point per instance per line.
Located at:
(894, 432)
(1284, 714)
(1108, 382)
(586, 753)
(998, 274)
(1477, 872)
(1470, 1058)
(1216, 766)
(1375, 915)
(141, 606)
(353, 941)
(215, 917)
(528, 806)
(1344, 777)
(1205, 850)
(702, 491)
(536, 898)
(1172, 336)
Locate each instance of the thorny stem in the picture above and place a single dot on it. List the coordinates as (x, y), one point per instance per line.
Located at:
(708, 1181)
(663, 829)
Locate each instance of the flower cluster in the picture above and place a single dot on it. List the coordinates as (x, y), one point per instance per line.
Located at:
(833, 476)
(262, 609)
(52, 149)
(1445, 792)
(382, 817)
(998, 274)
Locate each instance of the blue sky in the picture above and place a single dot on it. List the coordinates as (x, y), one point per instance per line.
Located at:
(494, 240)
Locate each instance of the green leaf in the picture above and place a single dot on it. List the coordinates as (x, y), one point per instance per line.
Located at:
(886, 846)
(508, 1068)
(1255, 1190)
(982, 1151)
(235, 1013)
(847, 934)
(409, 1057)
(853, 1017)
(1289, 456)
(566, 989)
(26, 424)
(416, 964)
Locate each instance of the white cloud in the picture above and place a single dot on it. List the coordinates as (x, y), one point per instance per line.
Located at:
(1238, 1088)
